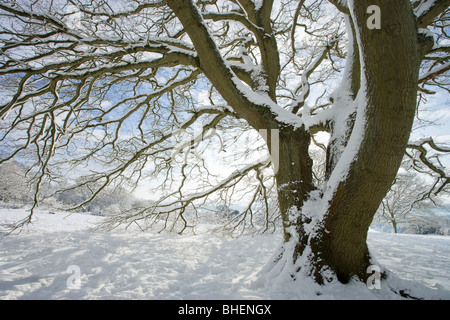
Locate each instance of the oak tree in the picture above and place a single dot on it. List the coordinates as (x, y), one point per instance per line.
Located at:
(106, 88)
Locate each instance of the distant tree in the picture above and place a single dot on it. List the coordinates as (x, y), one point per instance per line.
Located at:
(405, 197)
(14, 185)
(426, 222)
(112, 199)
(227, 212)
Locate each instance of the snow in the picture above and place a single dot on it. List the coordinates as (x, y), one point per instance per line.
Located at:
(42, 261)
(424, 7)
(262, 99)
(437, 70)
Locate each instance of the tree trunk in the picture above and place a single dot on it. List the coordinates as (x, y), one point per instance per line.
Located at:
(336, 234)
(394, 226)
(294, 174)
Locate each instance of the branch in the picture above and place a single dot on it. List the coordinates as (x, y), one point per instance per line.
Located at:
(164, 207)
(429, 10)
(231, 16)
(35, 16)
(294, 24)
(300, 101)
(138, 9)
(341, 5)
(431, 74)
(258, 22)
(215, 67)
(227, 181)
(438, 169)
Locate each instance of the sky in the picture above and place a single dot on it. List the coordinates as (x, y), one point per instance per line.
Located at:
(437, 111)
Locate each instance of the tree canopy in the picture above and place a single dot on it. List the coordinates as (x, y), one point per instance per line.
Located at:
(119, 91)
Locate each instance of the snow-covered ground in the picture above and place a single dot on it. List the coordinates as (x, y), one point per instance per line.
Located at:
(59, 257)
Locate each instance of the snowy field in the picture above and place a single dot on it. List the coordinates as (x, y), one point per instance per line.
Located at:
(59, 257)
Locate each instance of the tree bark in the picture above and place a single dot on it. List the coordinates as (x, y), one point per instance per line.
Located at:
(294, 175)
(390, 60)
(394, 226)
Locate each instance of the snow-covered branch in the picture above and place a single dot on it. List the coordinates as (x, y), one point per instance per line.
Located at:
(427, 10)
(434, 72)
(431, 162)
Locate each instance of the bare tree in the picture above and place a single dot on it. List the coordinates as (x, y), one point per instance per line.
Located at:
(406, 196)
(14, 187)
(110, 88)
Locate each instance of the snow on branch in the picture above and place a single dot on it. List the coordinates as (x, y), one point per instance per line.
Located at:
(427, 10)
(426, 159)
(300, 100)
(341, 5)
(125, 13)
(433, 73)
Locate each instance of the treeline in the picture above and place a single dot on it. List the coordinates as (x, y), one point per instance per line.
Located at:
(17, 190)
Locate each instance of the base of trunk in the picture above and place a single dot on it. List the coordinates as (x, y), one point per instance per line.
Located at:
(326, 252)
(282, 278)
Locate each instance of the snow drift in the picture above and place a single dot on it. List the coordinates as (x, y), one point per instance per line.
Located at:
(43, 261)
